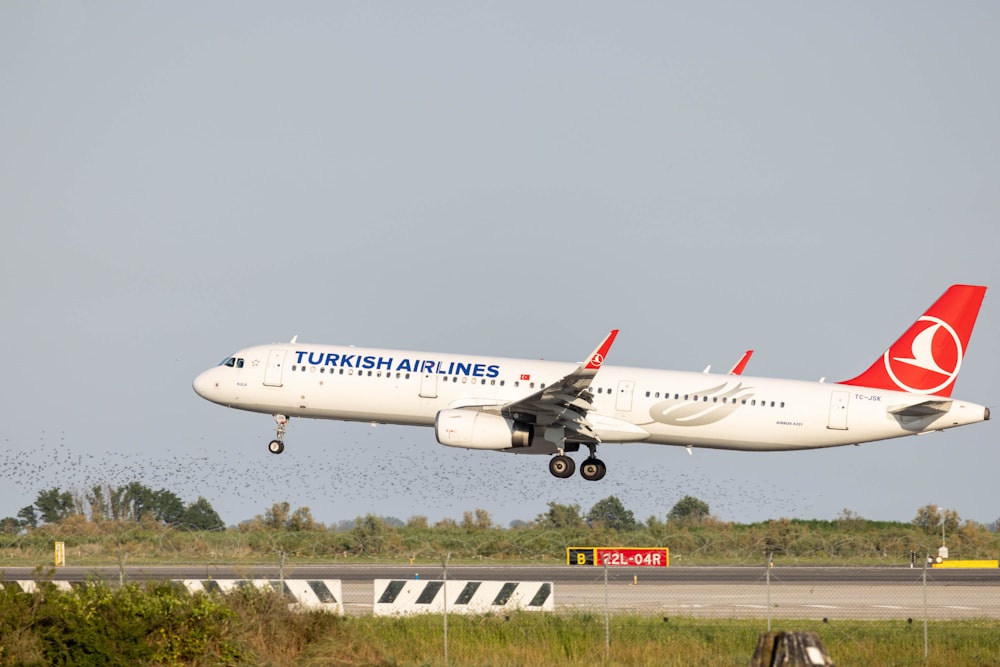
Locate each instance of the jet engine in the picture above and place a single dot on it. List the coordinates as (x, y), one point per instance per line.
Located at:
(473, 429)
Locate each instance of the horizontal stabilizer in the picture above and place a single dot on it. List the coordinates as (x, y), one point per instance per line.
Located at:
(925, 409)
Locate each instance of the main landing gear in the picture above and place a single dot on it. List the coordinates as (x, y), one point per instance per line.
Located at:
(591, 470)
(277, 445)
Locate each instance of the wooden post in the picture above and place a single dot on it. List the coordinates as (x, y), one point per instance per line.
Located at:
(790, 649)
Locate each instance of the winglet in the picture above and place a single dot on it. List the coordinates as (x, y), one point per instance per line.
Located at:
(596, 358)
(741, 364)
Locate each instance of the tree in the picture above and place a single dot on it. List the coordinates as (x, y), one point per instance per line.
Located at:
(136, 500)
(689, 510)
(199, 515)
(10, 526)
(560, 516)
(167, 507)
(277, 516)
(28, 517)
(301, 520)
(99, 507)
(374, 536)
(53, 505)
(929, 518)
(480, 519)
(611, 514)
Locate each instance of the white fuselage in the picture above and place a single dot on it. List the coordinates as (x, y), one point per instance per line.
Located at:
(630, 404)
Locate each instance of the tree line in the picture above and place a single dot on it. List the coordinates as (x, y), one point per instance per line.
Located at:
(137, 503)
(132, 503)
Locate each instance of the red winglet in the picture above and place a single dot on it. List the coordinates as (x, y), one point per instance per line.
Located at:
(741, 364)
(927, 357)
(597, 358)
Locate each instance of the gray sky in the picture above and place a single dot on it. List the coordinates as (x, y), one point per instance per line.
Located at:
(178, 180)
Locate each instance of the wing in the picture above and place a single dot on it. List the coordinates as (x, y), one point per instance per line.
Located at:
(563, 405)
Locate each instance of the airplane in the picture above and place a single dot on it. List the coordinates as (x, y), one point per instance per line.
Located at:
(552, 408)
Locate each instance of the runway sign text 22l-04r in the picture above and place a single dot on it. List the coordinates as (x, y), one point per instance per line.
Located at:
(618, 556)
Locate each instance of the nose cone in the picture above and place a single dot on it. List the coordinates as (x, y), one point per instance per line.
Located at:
(205, 385)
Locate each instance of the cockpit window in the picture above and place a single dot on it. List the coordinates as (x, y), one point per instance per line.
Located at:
(232, 362)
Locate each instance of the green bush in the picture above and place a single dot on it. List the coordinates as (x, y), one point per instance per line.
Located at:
(96, 625)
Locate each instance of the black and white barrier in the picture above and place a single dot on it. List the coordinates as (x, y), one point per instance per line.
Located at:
(309, 594)
(394, 597)
(31, 586)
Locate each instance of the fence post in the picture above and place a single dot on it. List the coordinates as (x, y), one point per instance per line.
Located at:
(790, 649)
(444, 592)
(770, 564)
(607, 615)
(924, 578)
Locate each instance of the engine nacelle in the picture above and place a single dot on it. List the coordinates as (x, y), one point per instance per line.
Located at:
(473, 429)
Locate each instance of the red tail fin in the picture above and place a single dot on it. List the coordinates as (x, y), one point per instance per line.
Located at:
(926, 359)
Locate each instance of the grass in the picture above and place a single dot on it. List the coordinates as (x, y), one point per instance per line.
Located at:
(160, 624)
(579, 639)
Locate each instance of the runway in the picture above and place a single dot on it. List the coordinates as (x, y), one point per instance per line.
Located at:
(730, 592)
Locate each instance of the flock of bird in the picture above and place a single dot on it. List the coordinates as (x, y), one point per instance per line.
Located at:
(388, 471)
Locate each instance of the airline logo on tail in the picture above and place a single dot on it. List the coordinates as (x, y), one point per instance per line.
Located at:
(931, 355)
(927, 357)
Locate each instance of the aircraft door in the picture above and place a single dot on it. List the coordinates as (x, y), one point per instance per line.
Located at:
(275, 364)
(838, 410)
(623, 401)
(429, 385)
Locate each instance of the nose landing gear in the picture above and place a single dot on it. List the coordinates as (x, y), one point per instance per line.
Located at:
(277, 445)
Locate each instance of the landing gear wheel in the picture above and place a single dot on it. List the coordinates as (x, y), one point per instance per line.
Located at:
(277, 445)
(593, 469)
(561, 466)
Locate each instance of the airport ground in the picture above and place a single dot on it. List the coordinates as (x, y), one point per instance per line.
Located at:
(720, 592)
(655, 616)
